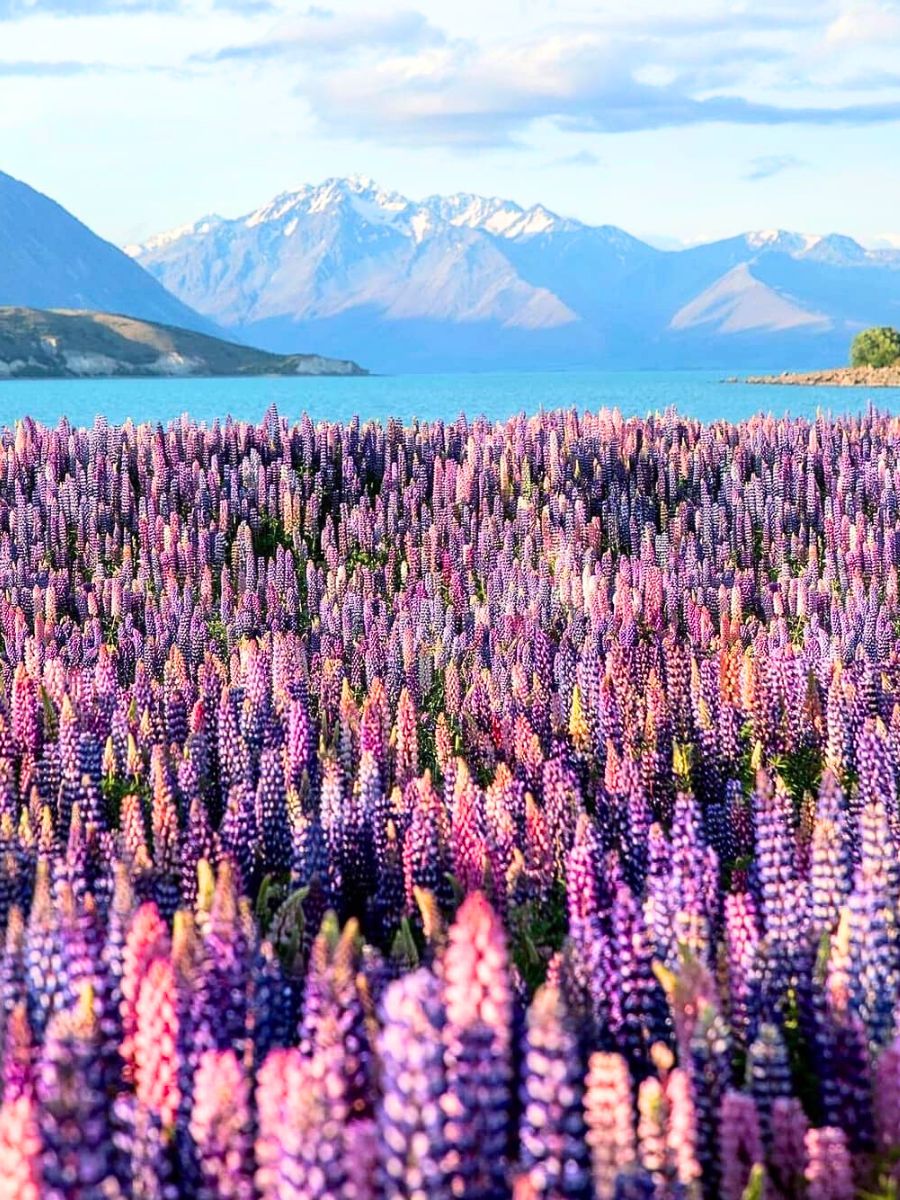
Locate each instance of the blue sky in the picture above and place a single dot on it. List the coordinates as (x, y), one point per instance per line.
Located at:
(684, 121)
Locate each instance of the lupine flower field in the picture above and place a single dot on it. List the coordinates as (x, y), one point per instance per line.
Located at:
(451, 812)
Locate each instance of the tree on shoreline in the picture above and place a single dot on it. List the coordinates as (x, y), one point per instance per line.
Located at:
(876, 347)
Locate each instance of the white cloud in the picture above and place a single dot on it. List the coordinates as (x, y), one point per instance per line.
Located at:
(865, 22)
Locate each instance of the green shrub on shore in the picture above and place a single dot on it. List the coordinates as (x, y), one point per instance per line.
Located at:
(876, 347)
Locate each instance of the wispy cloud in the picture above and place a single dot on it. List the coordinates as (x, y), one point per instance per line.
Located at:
(772, 164)
(462, 93)
(398, 78)
(582, 158)
(46, 70)
(321, 31)
(13, 9)
(865, 22)
(17, 9)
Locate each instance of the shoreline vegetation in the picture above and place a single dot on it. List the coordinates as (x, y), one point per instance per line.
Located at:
(874, 362)
(882, 377)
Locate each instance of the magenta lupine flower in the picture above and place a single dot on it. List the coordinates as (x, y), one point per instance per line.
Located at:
(742, 942)
(301, 1146)
(156, 1042)
(467, 846)
(147, 940)
(18, 1056)
(361, 1157)
(406, 755)
(829, 1170)
(478, 1005)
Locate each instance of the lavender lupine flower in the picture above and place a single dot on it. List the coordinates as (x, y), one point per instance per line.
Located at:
(219, 1001)
(829, 1173)
(337, 1005)
(788, 1153)
(221, 1127)
(739, 1142)
(478, 1005)
(831, 869)
(552, 1129)
(410, 1122)
(887, 1097)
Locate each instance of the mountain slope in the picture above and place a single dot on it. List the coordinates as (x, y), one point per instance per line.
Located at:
(63, 343)
(48, 258)
(467, 281)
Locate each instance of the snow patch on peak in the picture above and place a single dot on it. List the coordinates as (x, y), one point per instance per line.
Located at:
(358, 193)
(160, 240)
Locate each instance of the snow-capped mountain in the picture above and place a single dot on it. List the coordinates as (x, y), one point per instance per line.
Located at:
(465, 280)
(48, 259)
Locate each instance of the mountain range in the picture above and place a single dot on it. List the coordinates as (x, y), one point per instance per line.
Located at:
(464, 282)
(349, 269)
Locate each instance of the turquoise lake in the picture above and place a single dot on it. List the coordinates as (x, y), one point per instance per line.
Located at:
(701, 394)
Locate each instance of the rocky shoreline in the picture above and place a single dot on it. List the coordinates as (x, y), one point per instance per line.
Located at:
(838, 377)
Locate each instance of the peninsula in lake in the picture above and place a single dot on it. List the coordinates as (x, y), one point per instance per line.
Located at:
(70, 343)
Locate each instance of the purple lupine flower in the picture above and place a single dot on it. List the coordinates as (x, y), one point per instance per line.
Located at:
(219, 998)
(72, 1110)
(552, 1129)
(409, 1116)
(272, 818)
(768, 1074)
(887, 1097)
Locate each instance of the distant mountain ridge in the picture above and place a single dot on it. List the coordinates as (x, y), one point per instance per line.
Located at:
(467, 281)
(49, 259)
